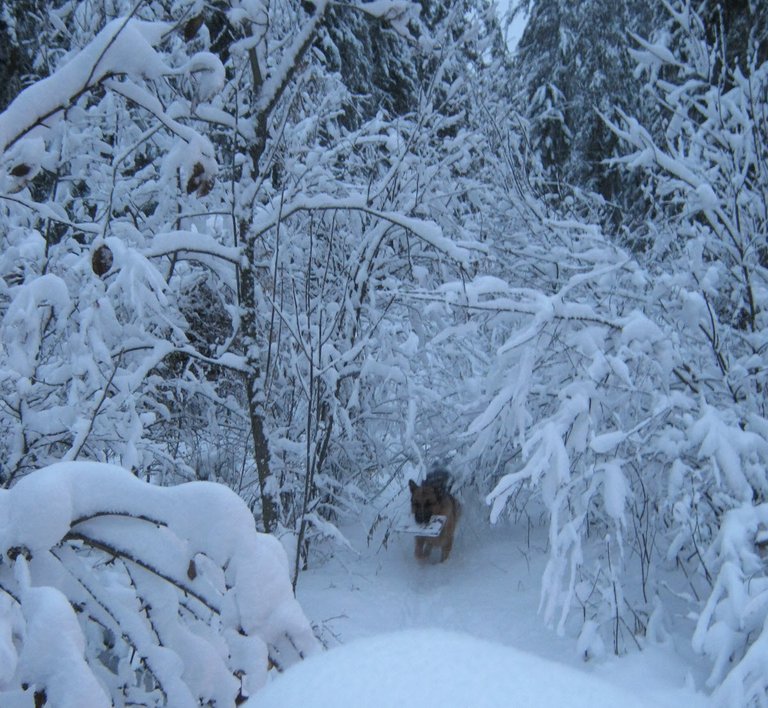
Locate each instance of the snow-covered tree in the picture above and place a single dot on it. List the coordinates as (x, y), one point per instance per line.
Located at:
(572, 62)
(708, 170)
(589, 391)
(230, 239)
(231, 252)
(569, 420)
(87, 318)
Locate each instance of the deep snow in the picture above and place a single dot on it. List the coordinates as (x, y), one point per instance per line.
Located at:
(431, 667)
(489, 590)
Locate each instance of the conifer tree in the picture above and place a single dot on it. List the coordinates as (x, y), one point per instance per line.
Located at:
(574, 65)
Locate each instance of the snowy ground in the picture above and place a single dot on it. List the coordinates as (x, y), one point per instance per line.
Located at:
(488, 589)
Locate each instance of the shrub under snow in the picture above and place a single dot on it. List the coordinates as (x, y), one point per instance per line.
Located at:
(118, 592)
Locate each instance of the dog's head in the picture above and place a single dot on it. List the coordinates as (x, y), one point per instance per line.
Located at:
(425, 500)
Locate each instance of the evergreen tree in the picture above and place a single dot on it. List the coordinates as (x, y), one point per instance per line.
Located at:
(574, 66)
(21, 25)
(375, 63)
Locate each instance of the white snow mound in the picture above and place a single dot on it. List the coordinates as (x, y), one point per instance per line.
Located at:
(430, 667)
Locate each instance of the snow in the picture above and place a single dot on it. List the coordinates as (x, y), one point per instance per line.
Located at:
(514, 16)
(465, 633)
(590, 424)
(397, 13)
(432, 667)
(52, 651)
(727, 446)
(605, 442)
(276, 82)
(546, 460)
(428, 231)
(736, 609)
(209, 73)
(192, 244)
(706, 197)
(615, 489)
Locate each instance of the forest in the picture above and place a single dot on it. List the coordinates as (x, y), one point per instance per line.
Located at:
(306, 251)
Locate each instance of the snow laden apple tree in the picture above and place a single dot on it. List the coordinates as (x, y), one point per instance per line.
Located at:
(209, 236)
(115, 592)
(87, 318)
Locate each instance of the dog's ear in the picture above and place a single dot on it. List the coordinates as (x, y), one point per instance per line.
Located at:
(412, 486)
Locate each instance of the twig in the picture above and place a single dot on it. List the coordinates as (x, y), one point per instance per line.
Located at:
(127, 555)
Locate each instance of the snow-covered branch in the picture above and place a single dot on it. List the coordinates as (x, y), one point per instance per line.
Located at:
(122, 47)
(428, 231)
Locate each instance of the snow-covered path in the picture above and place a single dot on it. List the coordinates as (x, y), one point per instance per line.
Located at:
(489, 588)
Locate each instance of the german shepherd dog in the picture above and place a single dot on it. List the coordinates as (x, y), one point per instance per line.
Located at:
(432, 498)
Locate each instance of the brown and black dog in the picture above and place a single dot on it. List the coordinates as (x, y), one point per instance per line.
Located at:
(429, 499)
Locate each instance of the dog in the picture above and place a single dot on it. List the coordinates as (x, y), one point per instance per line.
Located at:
(433, 498)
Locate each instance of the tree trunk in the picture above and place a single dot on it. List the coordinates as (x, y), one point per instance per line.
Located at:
(267, 488)
(254, 380)
(254, 384)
